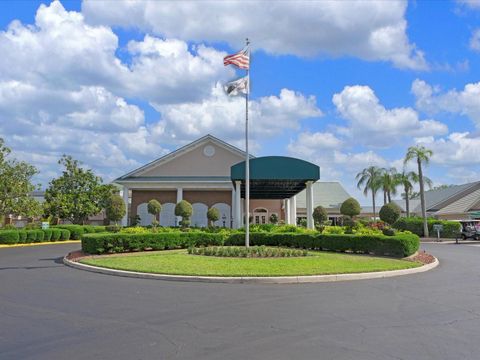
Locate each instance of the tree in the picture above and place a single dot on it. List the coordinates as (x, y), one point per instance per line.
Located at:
(421, 155)
(77, 194)
(369, 178)
(274, 218)
(115, 208)
(154, 208)
(408, 179)
(184, 209)
(320, 215)
(350, 207)
(389, 183)
(16, 186)
(390, 213)
(213, 215)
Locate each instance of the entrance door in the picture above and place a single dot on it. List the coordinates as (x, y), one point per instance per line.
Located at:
(260, 216)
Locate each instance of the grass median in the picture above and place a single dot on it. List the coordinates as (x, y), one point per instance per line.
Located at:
(179, 262)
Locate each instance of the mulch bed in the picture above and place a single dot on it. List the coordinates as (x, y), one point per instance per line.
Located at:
(423, 257)
(74, 255)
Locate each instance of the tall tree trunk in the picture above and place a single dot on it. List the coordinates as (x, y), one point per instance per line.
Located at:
(373, 202)
(407, 202)
(384, 197)
(422, 198)
(389, 196)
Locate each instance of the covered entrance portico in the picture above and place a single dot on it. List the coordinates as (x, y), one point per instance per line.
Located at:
(275, 178)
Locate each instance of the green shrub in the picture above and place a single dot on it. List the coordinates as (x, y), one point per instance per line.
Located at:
(9, 237)
(40, 236)
(122, 242)
(241, 251)
(400, 245)
(273, 218)
(31, 236)
(76, 231)
(320, 215)
(65, 234)
(184, 209)
(115, 208)
(47, 234)
(450, 230)
(350, 207)
(390, 213)
(113, 228)
(22, 237)
(213, 215)
(388, 232)
(56, 234)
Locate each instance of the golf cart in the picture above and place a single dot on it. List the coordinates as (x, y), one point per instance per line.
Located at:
(470, 229)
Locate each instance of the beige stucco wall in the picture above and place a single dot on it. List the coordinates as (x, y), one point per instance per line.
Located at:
(196, 163)
(144, 196)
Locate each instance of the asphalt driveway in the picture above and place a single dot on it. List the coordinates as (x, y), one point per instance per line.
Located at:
(49, 311)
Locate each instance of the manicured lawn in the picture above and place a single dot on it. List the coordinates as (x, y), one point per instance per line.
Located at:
(178, 262)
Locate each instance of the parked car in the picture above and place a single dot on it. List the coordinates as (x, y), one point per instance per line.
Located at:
(470, 229)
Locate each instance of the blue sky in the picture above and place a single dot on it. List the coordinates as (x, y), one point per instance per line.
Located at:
(342, 84)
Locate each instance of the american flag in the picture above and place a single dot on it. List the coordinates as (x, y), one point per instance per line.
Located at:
(240, 59)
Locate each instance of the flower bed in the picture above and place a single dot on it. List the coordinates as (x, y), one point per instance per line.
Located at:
(241, 251)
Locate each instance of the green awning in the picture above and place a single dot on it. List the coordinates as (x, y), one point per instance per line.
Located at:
(275, 177)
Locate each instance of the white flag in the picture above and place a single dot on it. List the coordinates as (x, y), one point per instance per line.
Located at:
(238, 86)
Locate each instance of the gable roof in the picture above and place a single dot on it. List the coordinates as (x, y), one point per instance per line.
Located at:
(437, 199)
(462, 205)
(180, 151)
(329, 194)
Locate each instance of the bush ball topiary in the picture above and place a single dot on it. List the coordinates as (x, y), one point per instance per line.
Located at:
(154, 208)
(350, 207)
(320, 215)
(184, 209)
(390, 213)
(213, 215)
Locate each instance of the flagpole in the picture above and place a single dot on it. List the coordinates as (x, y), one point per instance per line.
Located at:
(247, 160)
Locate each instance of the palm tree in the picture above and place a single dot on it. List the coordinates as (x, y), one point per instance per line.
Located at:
(407, 180)
(389, 183)
(370, 179)
(422, 155)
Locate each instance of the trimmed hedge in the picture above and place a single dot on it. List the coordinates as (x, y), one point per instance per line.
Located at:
(122, 242)
(65, 234)
(451, 229)
(9, 237)
(56, 234)
(400, 245)
(33, 236)
(76, 231)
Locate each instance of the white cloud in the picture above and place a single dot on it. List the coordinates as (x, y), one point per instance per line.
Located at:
(472, 4)
(457, 149)
(465, 102)
(372, 124)
(475, 40)
(225, 116)
(371, 30)
(61, 50)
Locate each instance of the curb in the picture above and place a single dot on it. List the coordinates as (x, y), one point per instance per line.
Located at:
(41, 244)
(253, 280)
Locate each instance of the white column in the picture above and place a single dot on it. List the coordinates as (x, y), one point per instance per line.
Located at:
(233, 210)
(238, 204)
(310, 223)
(286, 206)
(125, 200)
(179, 198)
(293, 210)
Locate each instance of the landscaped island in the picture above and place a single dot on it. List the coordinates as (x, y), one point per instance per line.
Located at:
(179, 262)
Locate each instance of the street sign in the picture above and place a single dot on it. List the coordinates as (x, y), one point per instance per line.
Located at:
(45, 225)
(438, 228)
